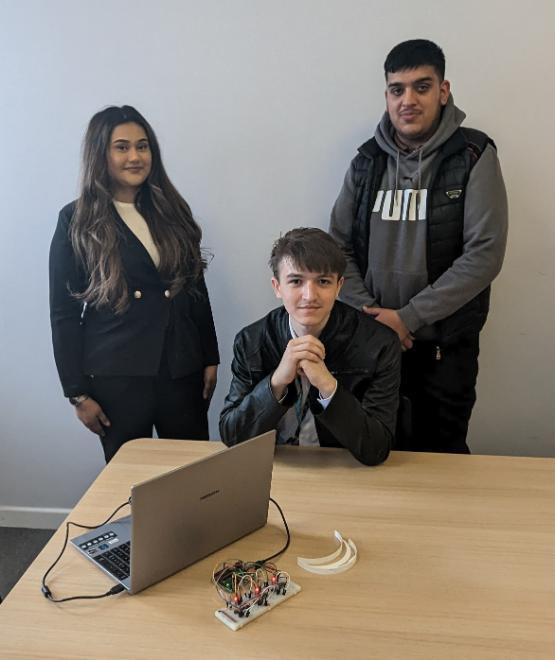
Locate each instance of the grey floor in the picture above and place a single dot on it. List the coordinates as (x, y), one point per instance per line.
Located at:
(18, 547)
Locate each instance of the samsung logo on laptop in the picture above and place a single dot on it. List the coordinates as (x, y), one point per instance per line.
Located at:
(210, 494)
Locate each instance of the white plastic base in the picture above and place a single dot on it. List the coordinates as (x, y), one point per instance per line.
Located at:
(234, 622)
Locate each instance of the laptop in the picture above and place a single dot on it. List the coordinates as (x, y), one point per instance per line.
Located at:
(184, 515)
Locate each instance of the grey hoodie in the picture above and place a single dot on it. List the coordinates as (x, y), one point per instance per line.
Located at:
(397, 276)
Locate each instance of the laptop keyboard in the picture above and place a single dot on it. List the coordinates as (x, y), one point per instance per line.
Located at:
(116, 560)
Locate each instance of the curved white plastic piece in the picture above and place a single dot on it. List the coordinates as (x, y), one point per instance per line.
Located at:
(329, 558)
(346, 562)
(334, 563)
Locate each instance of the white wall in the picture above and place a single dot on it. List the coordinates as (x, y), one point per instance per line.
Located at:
(259, 106)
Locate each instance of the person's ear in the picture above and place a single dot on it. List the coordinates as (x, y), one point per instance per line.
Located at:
(276, 287)
(340, 283)
(444, 91)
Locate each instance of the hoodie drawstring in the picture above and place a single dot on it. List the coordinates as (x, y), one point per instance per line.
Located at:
(419, 193)
(393, 199)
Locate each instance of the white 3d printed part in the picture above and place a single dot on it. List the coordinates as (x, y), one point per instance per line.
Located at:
(234, 621)
(341, 560)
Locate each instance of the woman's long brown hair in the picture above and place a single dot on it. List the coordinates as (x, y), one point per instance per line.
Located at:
(94, 229)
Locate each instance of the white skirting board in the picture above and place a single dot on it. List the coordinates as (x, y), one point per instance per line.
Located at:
(31, 517)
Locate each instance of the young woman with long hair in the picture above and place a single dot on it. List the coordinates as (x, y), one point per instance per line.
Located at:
(132, 327)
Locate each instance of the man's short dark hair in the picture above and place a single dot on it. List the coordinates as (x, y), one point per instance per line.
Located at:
(309, 249)
(414, 53)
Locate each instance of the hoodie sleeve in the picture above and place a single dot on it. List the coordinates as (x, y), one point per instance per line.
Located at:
(354, 291)
(485, 238)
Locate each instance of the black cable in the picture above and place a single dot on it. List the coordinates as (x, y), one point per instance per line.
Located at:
(118, 588)
(280, 552)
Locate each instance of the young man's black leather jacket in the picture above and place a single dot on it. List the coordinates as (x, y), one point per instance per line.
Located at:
(362, 354)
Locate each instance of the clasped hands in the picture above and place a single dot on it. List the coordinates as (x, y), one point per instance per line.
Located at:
(303, 355)
(391, 318)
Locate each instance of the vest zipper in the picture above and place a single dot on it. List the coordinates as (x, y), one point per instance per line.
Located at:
(438, 353)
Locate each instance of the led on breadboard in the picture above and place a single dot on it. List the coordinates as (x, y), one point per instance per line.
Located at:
(234, 621)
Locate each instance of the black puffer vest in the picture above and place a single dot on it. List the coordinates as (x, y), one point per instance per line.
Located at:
(445, 217)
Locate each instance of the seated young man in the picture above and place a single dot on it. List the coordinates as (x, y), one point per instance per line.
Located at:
(318, 371)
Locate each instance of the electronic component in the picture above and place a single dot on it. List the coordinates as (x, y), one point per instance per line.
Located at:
(250, 589)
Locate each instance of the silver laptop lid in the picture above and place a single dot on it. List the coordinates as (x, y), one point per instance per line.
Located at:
(181, 516)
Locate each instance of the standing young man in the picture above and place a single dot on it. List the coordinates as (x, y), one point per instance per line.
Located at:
(315, 369)
(422, 219)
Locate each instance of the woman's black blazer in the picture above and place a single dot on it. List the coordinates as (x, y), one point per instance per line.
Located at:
(90, 341)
